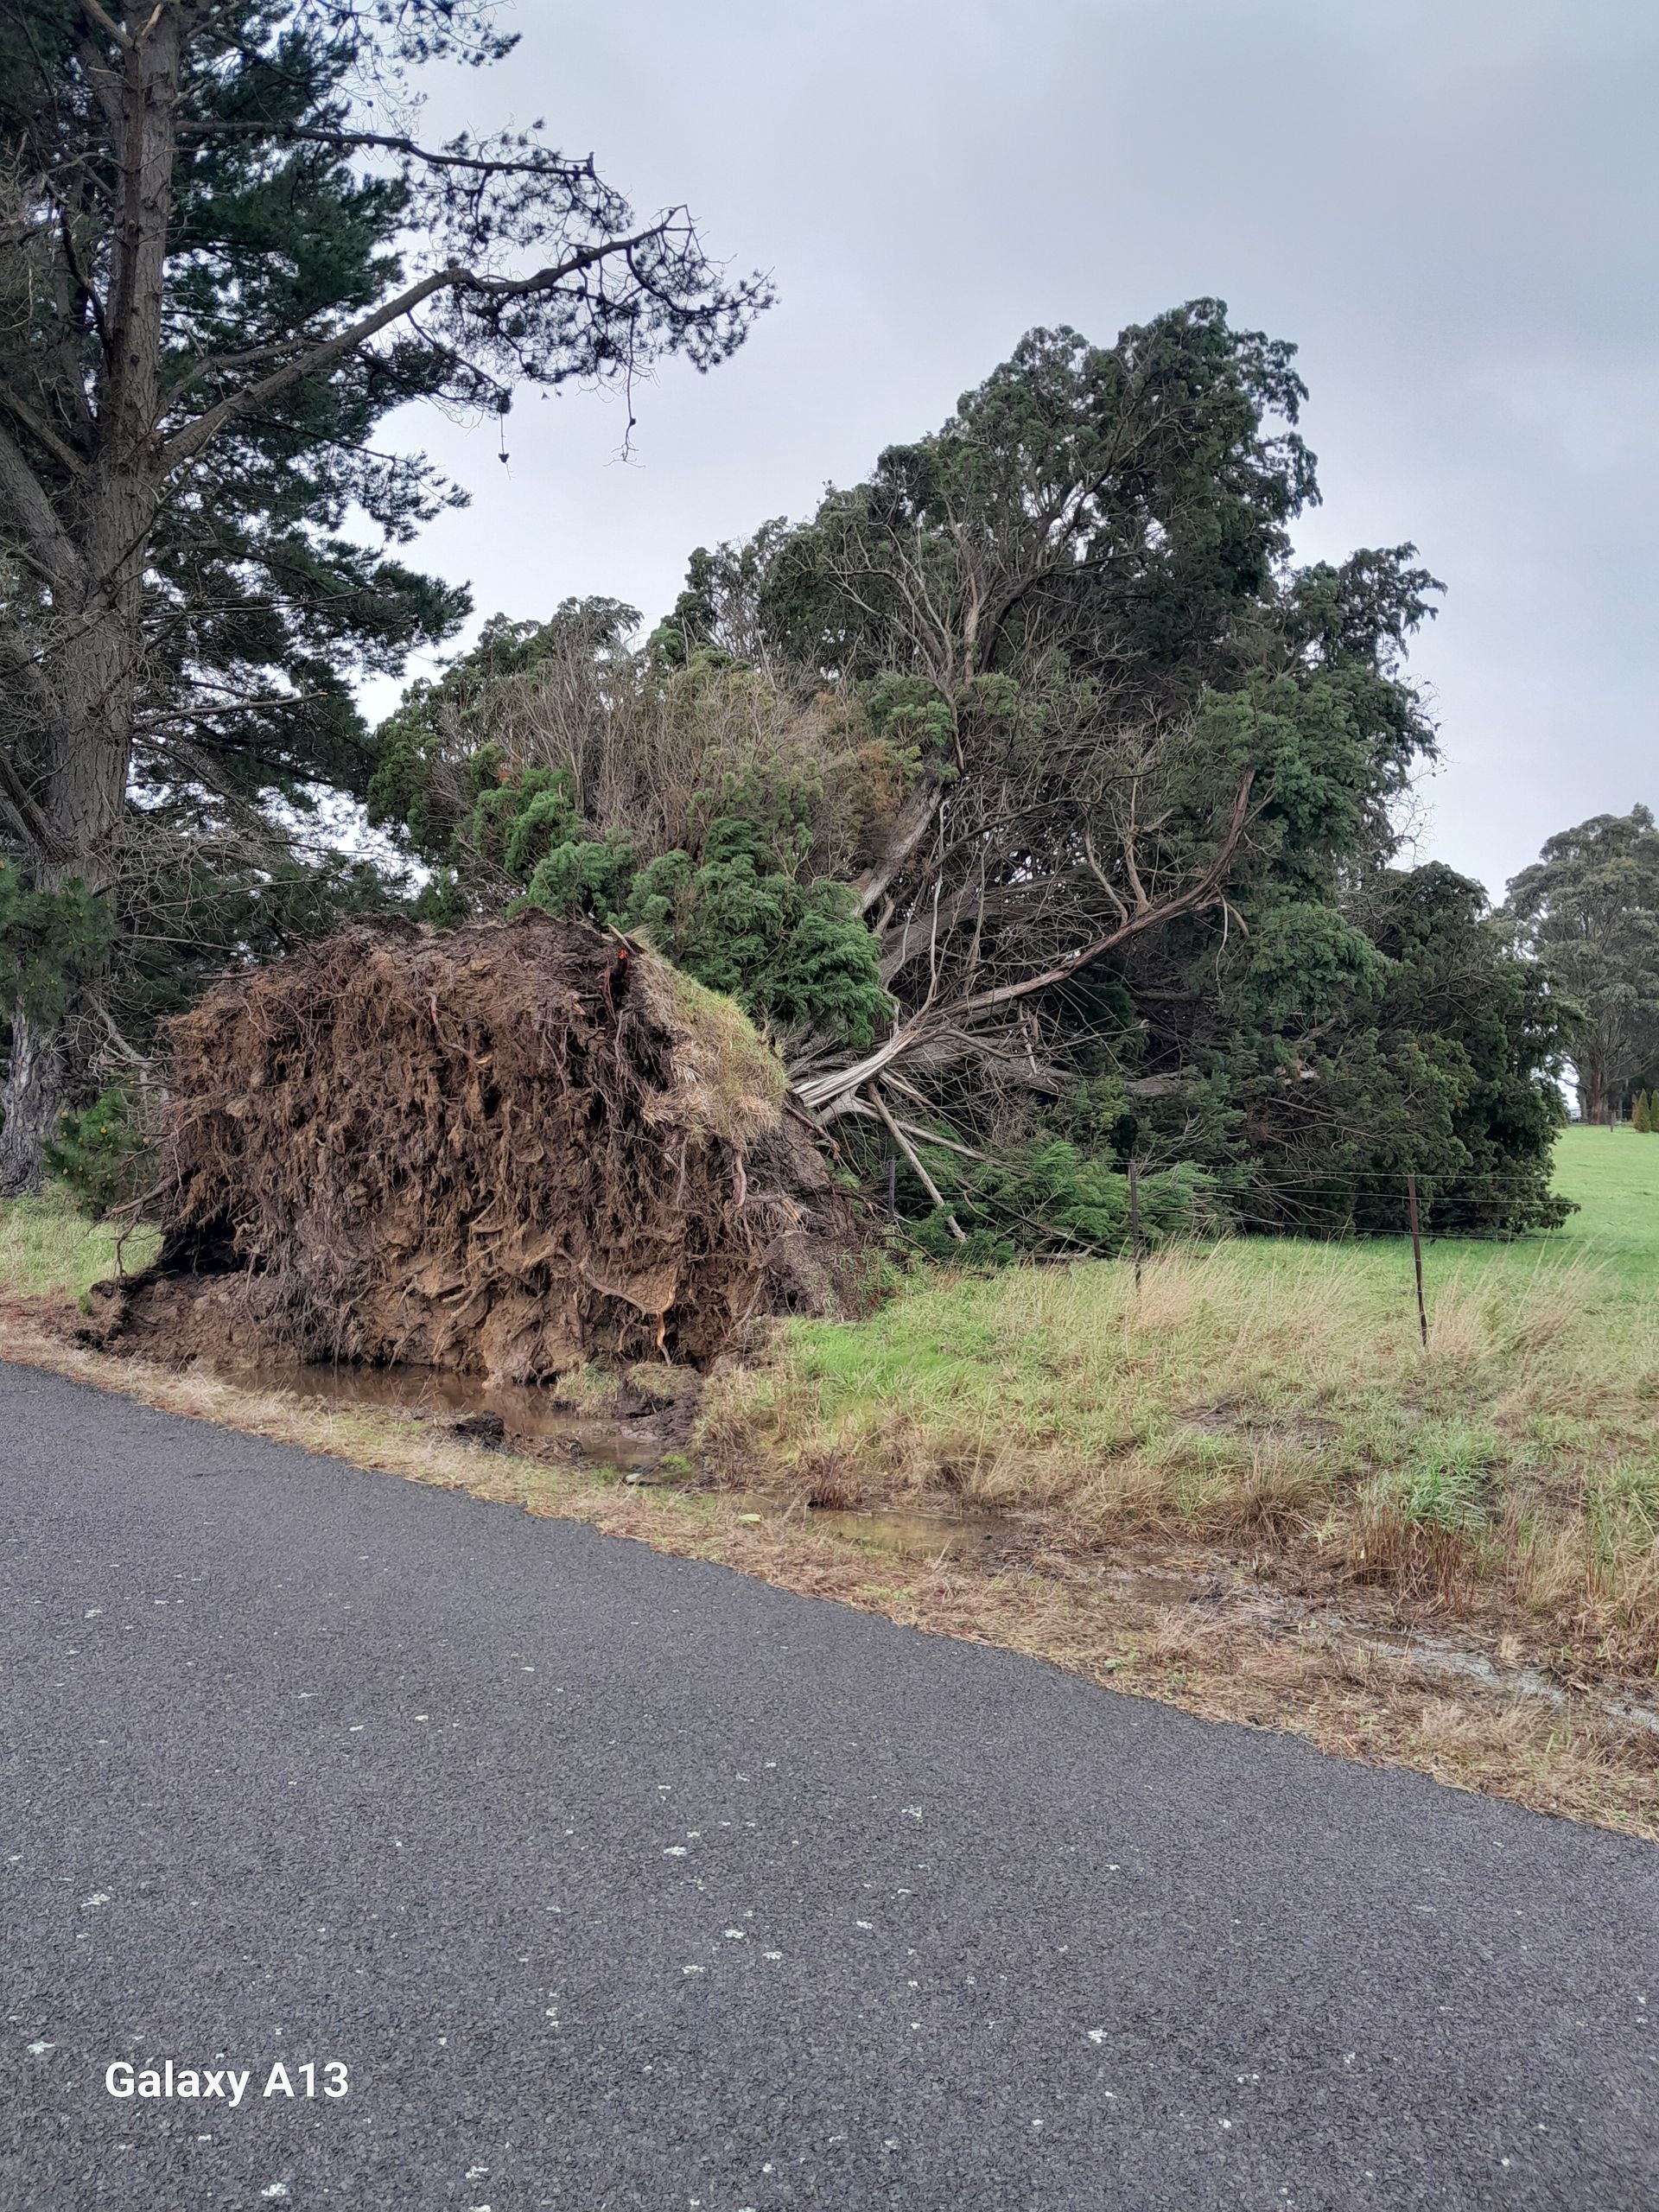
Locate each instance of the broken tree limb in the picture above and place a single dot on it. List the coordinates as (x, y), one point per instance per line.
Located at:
(914, 1158)
(1203, 892)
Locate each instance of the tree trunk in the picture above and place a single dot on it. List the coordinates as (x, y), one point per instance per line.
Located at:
(85, 796)
(33, 1099)
(94, 675)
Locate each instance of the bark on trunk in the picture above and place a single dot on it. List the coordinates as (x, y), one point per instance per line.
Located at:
(85, 796)
(34, 1100)
(94, 675)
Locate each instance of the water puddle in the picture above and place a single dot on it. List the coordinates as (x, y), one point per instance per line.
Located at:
(526, 1414)
(1276, 1612)
(912, 1536)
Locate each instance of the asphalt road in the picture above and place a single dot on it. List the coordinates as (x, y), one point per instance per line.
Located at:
(617, 1880)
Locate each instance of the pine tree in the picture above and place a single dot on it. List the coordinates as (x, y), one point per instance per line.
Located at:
(222, 263)
(1642, 1114)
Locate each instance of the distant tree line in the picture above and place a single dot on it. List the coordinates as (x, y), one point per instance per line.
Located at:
(1589, 909)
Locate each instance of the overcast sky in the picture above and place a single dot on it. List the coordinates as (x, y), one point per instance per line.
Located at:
(1450, 206)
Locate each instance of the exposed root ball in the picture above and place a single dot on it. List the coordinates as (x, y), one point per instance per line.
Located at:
(505, 1149)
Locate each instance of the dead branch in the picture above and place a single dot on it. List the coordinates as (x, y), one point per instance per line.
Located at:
(1203, 892)
(914, 1158)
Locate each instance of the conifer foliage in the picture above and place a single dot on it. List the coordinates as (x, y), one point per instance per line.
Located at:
(1042, 809)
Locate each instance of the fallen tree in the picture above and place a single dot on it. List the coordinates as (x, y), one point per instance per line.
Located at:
(1042, 811)
(505, 1149)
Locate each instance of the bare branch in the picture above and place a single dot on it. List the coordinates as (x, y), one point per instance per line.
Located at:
(1203, 892)
(914, 1158)
(1100, 876)
(22, 491)
(41, 432)
(107, 25)
(872, 887)
(189, 441)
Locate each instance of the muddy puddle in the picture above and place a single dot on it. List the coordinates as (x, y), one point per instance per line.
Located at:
(526, 1414)
(913, 1535)
(1271, 1613)
(1431, 1656)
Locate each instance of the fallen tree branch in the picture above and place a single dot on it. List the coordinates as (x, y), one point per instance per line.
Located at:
(1203, 892)
(932, 1137)
(914, 1158)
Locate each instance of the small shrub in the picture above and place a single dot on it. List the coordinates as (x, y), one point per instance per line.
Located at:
(102, 1152)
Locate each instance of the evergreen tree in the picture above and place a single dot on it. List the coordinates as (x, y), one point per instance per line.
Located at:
(1044, 713)
(222, 266)
(1589, 907)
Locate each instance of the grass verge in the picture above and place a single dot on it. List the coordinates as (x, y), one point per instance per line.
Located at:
(46, 1246)
(1271, 1402)
(1145, 1637)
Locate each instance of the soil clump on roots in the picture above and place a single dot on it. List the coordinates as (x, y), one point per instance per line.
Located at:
(506, 1149)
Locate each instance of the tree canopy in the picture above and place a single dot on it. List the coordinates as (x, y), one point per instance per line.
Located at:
(1589, 906)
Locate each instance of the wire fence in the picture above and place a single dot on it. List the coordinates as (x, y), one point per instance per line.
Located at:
(1374, 1186)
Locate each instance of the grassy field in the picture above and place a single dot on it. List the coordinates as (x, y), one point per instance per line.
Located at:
(1272, 1400)
(1613, 1174)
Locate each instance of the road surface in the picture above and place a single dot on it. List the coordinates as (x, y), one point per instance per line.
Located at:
(615, 1880)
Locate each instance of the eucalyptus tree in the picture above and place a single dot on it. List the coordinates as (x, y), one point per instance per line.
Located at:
(1589, 904)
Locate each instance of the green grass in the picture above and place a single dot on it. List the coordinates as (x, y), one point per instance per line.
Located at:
(1273, 1394)
(1269, 1396)
(46, 1246)
(1614, 1176)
